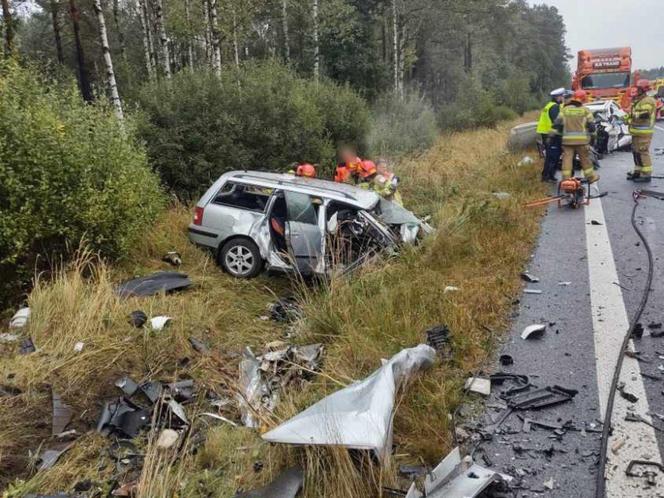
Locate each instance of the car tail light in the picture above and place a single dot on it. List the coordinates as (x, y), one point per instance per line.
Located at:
(198, 216)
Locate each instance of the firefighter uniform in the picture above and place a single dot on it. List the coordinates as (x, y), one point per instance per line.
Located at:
(642, 127)
(576, 123)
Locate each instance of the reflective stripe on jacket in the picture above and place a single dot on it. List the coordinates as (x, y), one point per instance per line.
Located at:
(646, 125)
(575, 121)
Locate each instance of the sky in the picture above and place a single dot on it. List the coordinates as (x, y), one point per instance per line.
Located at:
(615, 23)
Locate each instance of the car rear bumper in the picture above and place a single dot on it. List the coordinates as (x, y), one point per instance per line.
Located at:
(202, 236)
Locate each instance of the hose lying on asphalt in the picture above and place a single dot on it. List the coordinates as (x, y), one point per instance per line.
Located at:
(600, 489)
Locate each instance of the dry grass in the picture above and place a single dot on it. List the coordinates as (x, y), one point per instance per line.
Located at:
(481, 245)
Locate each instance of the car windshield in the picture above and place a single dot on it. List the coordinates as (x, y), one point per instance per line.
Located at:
(392, 213)
(605, 80)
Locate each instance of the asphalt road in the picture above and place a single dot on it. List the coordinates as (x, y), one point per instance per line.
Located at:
(592, 272)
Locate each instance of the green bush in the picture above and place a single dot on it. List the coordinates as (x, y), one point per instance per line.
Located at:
(68, 172)
(400, 126)
(261, 117)
(474, 107)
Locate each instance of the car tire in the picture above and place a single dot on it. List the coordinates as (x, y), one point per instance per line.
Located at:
(240, 258)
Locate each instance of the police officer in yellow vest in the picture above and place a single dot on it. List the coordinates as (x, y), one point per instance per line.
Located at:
(576, 123)
(642, 127)
(551, 141)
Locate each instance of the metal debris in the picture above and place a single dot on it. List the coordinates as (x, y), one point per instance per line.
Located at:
(648, 475)
(286, 310)
(533, 331)
(128, 386)
(358, 416)
(50, 455)
(172, 258)
(62, 414)
(287, 485)
(165, 281)
(527, 277)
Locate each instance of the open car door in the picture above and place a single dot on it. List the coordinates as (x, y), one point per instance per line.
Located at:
(305, 232)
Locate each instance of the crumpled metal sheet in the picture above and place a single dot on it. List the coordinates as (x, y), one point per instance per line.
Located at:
(287, 485)
(50, 456)
(360, 415)
(62, 413)
(166, 281)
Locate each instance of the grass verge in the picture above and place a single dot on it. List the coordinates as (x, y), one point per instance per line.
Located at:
(481, 245)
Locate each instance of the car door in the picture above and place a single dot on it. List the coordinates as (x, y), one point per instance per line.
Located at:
(304, 235)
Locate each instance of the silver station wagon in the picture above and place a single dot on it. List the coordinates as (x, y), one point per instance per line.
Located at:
(255, 220)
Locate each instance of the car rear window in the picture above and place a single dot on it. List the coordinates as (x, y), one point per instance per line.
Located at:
(241, 196)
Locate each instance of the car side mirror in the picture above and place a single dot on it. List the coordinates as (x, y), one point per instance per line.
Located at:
(333, 224)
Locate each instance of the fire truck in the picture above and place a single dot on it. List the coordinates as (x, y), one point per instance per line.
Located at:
(605, 74)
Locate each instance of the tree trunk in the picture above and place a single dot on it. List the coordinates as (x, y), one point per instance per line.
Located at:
(236, 48)
(208, 32)
(9, 28)
(121, 38)
(190, 43)
(147, 41)
(163, 38)
(402, 58)
(216, 41)
(83, 79)
(108, 61)
(395, 47)
(284, 21)
(55, 19)
(316, 41)
(468, 54)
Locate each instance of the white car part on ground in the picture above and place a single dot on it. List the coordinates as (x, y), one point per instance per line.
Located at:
(20, 318)
(360, 415)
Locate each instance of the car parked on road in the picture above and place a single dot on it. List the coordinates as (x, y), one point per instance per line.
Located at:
(255, 220)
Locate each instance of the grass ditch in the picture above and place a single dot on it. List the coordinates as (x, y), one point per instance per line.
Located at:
(481, 245)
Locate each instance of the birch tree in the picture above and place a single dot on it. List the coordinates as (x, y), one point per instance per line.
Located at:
(118, 29)
(216, 38)
(9, 27)
(163, 38)
(284, 24)
(316, 40)
(190, 43)
(108, 62)
(141, 8)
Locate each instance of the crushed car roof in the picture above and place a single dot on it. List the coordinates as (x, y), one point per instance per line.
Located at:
(349, 194)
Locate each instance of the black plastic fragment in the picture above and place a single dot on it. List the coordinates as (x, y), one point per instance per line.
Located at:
(632, 398)
(164, 281)
(438, 338)
(638, 331)
(286, 310)
(506, 360)
(287, 485)
(138, 318)
(199, 345)
(27, 346)
(541, 398)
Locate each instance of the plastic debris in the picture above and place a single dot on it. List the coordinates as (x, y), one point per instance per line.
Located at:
(62, 414)
(285, 310)
(6, 338)
(527, 277)
(167, 438)
(50, 455)
(138, 318)
(358, 416)
(128, 386)
(541, 398)
(27, 346)
(564, 284)
(173, 258)
(506, 360)
(199, 346)
(78, 347)
(20, 318)
(438, 338)
(165, 281)
(122, 417)
(287, 485)
(478, 385)
(450, 288)
(532, 291)
(533, 331)
(159, 322)
(526, 161)
(503, 196)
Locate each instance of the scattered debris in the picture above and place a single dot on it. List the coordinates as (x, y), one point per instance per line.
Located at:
(438, 337)
(506, 360)
(564, 284)
(287, 485)
(159, 322)
(479, 385)
(218, 417)
(617, 444)
(626, 395)
(50, 456)
(123, 418)
(526, 161)
(20, 318)
(532, 291)
(503, 196)
(27, 346)
(285, 310)
(78, 347)
(549, 484)
(262, 378)
(541, 398)
(138, 318)
(128, 386)
(655, 325)
(659, 151)
(167, 438)
(648, 475)
(638, 331)
(199, 346)
(6, 337)
(534, 331)
(62, 414)
(527, 277)
(450, 288)
(164, 281)
(596, 223)
(173, 258)
(633, 417)
(360, 415)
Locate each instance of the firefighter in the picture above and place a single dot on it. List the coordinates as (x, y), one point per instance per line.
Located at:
(386, 183)
(366, 174)
(306, 170)
(641, 121)
(348, 167)
(576, 124)
(551, 141)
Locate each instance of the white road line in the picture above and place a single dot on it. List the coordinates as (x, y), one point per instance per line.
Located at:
(610, 323)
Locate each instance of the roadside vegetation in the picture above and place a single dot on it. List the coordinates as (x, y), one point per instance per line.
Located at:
(375, 314)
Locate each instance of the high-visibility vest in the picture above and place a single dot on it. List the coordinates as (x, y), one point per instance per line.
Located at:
(545, 125)
(643, 126)
(575, 120)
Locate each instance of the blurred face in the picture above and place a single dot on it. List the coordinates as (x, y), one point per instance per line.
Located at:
(381, 167)
(347, 154)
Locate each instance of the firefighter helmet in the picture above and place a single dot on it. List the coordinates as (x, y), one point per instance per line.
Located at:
(307, 170)
(580, 96)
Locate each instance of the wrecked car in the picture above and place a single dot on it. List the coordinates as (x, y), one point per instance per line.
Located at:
(255, 220)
